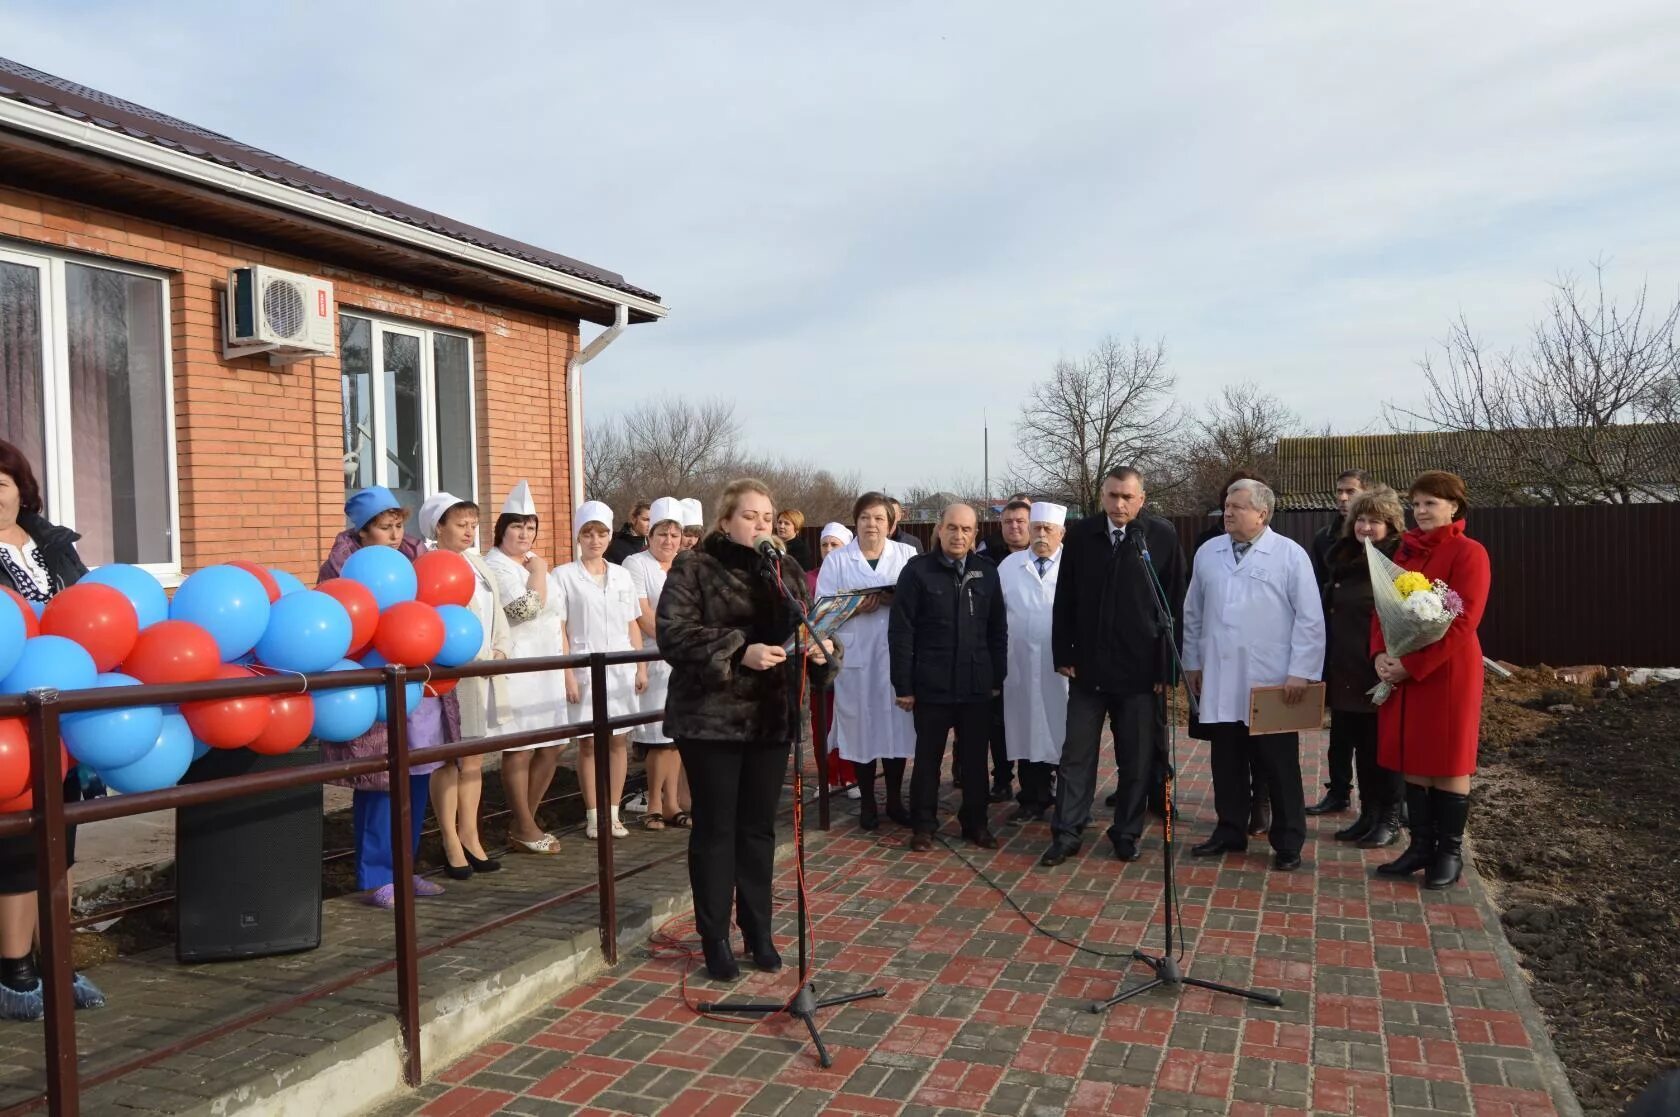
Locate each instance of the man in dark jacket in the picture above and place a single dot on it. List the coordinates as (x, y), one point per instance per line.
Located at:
(1014, 535)
(1338, 793)
(949, 648)
(630, 539)
(1106, 637)
(895, 529)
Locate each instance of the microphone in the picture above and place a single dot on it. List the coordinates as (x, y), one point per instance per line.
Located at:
(769, 550)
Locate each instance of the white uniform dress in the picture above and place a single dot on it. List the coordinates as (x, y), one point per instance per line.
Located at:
(598, 619)
(536, 699)
(644, 570)
(1034, 697)
(868, 725)
(1251, 623)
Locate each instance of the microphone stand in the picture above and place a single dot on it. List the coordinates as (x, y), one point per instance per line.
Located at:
(805, 1003)
(1165, 966)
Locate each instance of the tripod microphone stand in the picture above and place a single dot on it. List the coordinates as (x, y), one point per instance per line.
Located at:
(1165, 966)
(805, 1003)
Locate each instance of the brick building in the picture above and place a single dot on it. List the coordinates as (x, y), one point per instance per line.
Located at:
(451, 356)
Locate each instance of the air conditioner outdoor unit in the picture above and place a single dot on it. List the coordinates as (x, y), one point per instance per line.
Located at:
(286, 315)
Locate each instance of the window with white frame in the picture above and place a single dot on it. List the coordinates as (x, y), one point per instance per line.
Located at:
(408, 409)
(84, 373)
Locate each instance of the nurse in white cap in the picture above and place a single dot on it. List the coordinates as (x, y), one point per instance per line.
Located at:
(603, 613)
(693, 522)
(648, 568)
(536, 699)
(1034, 696)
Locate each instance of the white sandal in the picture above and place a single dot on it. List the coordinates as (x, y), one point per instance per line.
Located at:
(547, 844)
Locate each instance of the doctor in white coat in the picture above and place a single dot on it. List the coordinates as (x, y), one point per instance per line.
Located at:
(868, 725)
(1035, 696)
(1252, 618)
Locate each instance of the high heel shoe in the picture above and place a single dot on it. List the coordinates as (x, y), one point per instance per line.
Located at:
(457, 872)
(482, 864)
(720, 959)
(764, 955)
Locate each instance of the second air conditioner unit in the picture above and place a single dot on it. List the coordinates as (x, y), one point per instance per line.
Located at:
(283, 314)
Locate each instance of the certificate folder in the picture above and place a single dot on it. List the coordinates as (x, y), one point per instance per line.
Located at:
(1268, 713)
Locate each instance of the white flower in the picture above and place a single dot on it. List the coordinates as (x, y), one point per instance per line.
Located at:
(1426, 605)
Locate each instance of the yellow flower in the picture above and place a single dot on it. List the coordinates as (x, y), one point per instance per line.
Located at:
(1410, 582)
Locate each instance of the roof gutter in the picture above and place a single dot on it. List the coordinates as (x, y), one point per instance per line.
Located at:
(129, 149)
(574, 397)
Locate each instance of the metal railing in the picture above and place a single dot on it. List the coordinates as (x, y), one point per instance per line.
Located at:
(50, 815)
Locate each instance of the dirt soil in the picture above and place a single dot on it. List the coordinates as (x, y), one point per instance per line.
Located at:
(1576, 828)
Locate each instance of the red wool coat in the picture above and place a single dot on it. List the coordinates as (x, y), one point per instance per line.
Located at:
(1430, 725)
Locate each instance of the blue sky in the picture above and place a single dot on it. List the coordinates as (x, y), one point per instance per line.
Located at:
(875, 220)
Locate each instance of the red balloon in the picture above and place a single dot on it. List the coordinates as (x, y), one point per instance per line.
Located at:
(261, 574)
(440, 687)
(228, 723)
(173, 652)
(31, 623)
(358, 601)
(23, 802)
(410, 633)
(290, 717)
(97, 617)
(445, 578)
(14, 758)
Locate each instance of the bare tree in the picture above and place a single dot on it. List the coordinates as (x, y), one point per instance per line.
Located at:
(1112, 407)
(1582, 414)
(606, 459)
(1237, 429)
(676, 443)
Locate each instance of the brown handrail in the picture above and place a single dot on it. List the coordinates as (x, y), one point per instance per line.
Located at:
(49, 816)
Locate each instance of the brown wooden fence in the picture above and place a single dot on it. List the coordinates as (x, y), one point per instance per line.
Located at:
(1590, 584)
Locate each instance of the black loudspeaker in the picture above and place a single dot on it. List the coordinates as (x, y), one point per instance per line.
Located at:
(248, 869)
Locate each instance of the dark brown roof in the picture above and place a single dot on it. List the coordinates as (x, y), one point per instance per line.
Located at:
(44, 91)
(1307, 467)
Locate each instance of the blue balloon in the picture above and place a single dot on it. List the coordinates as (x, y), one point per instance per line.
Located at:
(387, 574)
(12, 636)
(228, 603)
(307, 631)
(151, 604)
(112, 738)
(287, 582)
(50, 661)
(200, 749)
(463, 635)
(412, 692)
(39, 608)
(161, 766)
(345, 714)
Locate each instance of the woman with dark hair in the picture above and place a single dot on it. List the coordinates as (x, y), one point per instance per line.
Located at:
(868, 725)
(733, 707)
(1374, 515)
(789, 523)
(536, 699)
(1429, 727)
(38, 560)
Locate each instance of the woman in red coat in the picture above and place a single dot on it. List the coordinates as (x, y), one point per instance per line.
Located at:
(1429, 727)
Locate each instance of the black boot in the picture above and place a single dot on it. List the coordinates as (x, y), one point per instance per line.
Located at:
(868, 818)
(720, 959)
(764, 954)
(1260, 814)
(1385, 828)
(1335, 801)
(1451, 809)
(894, 771)
(1420, 854)
(1360, 826)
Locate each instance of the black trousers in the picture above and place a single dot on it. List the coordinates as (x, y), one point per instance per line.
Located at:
(934, 723)
(1340, 757)
(1379, 788)
(736, 787)
(1002, 766)
(1038, 785)
(1133, 718)
(1277, 758)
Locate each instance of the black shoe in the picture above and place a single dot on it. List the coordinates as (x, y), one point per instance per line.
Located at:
(1334, 802)
(1024, 815)
(898, 814)
(1420, 854)
(765, 957)
(1286, 862)
(985, 839)
(457, 872)
(869, 817)
(1451, 810)
(1214, 847)
(1113, 798)
(921, 841)
(1360, 826)
(1125, 850)
(483, 864)
(720, 960)
(1058, 852)
(1000, 793)
(1384, 831)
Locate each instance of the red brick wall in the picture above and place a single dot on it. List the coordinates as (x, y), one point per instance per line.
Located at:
(259, 449)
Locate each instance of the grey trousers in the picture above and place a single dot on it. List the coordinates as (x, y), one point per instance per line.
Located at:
(1132, 718)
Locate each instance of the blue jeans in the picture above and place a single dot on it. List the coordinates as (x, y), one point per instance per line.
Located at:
(371, 816)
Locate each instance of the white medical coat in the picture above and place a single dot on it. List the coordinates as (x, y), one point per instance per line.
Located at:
(867, 723)
(1034, 696)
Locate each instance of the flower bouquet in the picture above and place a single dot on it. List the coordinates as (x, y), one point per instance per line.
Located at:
(1413, 611)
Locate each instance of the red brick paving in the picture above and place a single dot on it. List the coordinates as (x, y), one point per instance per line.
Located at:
(1395, 998)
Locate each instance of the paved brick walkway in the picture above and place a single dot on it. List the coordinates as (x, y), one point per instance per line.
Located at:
(1397, 1001)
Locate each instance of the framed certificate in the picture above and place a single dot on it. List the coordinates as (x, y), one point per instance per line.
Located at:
(1268, 713)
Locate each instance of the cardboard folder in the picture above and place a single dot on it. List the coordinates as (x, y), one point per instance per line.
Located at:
(1268, 713)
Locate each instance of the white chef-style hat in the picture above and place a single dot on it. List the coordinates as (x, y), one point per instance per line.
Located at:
(1043, 512)
(592, 512)
(431, 512)
(693, 514)
(665, 508)
(836, 531)
(519, 501)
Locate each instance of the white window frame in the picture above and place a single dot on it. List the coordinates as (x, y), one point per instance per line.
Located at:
(56, 401)
(379, 326)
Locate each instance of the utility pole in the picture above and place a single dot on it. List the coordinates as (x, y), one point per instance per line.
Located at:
(985, 464)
